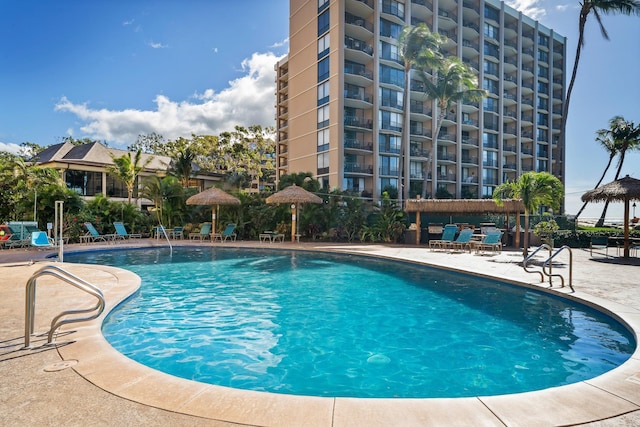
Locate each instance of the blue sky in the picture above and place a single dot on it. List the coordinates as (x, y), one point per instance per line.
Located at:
(111, 70)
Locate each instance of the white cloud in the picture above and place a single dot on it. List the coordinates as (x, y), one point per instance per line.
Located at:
(215, 50)
(157, 45)
(248, 100)
(10, 147)
(532, 8)
(284, 42)
(126, 23)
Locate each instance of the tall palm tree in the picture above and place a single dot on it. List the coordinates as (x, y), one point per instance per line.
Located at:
(417, 45)
(126, 169)
(605, 140)
(624, 7)
(534, 189)
(182, 165)
(453, 81)
(627, 137)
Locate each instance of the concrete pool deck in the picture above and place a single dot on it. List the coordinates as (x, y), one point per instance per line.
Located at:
(84, 381)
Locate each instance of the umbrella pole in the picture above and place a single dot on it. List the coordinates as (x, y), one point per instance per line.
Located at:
(294, 209)
(626, 228)
(213, 219)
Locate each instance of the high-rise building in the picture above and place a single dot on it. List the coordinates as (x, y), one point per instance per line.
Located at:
(339, 110)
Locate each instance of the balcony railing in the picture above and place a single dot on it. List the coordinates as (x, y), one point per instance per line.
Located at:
(358, 168)
(358, 145)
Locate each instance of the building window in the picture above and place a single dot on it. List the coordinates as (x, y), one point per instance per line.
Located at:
(490, 176)
(490, 159)
(543, 71)
(491, 31)
(487, 192)
(490, 67)
(323, 46)
(84, 183)
(386, 183)
(490, 85)
(491, 13)
(322, 4)
(543, 103)
(323, 140)
(390, 98)
(323, 163)
(490, 104)
(388, 165)
(323, 93)
(323, 23)
(323, 116)
(389, 52)
(543, 40)
(391, 75)
(389, 143)
(543, 87)
(391, 121)
(543, 56)
(489, 140)
(393, 7)
(390, 29)
(323, 69)
(491, 49)
(543, 166)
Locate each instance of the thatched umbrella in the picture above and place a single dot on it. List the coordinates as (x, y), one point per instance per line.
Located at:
(213, 197)
(622, 190)
(295, 195)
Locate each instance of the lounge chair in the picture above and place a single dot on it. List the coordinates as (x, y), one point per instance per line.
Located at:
(448, 234)
(271, 236)
(228, 233)
(20, 234)
(492, 240)
(462, 241)
(204, 234)
(93, 235)
(176, 233)
(121, 232)
(599, 242)
(40, 240)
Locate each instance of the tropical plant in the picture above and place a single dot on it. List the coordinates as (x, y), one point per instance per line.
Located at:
(387, 224)
(452, 81)
(624, 7)
(604, 139)
(126, 169)
(418, 46)
(167, 195)
(534, 189)
(182, 165)
(546, 229)
(626, 136)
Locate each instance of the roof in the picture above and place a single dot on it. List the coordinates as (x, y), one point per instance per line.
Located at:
(463, 206)
(94, 154)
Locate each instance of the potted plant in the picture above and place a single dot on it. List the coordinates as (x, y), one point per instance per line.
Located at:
(545, 230)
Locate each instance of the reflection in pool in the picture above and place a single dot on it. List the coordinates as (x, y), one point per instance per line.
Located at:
(326, 325)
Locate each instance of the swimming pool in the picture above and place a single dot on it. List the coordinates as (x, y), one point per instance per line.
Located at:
(316, 324)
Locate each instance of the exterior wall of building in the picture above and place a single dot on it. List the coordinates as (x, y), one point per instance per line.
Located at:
(344, 81)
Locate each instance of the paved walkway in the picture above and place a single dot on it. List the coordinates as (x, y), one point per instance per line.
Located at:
(83, 381)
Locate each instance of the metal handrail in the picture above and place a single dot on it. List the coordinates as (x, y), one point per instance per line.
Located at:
(164, 231)
(65, 276)
(526, 260)
(548, 262)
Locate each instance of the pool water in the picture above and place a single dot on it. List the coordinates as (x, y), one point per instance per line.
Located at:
(324, 325)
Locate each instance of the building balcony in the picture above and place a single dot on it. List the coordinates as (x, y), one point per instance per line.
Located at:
(358, 168)
(354, 144)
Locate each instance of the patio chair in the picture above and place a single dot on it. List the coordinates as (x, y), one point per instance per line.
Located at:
(271, 236)
(599, 242)
(20, 236)
(448, 234)
(94, 236)
(492, 240)
(203, 234)
(228, 233)
(121, 232)
(40, 240)
(462, 241)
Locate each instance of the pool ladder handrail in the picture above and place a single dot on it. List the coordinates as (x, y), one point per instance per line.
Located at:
(549, 262)
(71, 279)
(166, 236)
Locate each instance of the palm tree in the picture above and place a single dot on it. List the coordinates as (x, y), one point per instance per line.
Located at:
(625, 7)
(182, 166)
(127, 170)
(626, 136)
(605, 140)
(453, 81)
(534, 189)
(417, 45)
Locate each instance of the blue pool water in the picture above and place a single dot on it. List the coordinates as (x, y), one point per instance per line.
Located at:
(323, 325)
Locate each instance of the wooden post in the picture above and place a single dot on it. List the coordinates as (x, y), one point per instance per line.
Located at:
(294, 209)
(518, 230)
(418, 228)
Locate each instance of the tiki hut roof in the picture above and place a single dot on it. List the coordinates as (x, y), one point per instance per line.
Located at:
(622, 189)
(213, 197)
(463, 206)
(293, 194)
